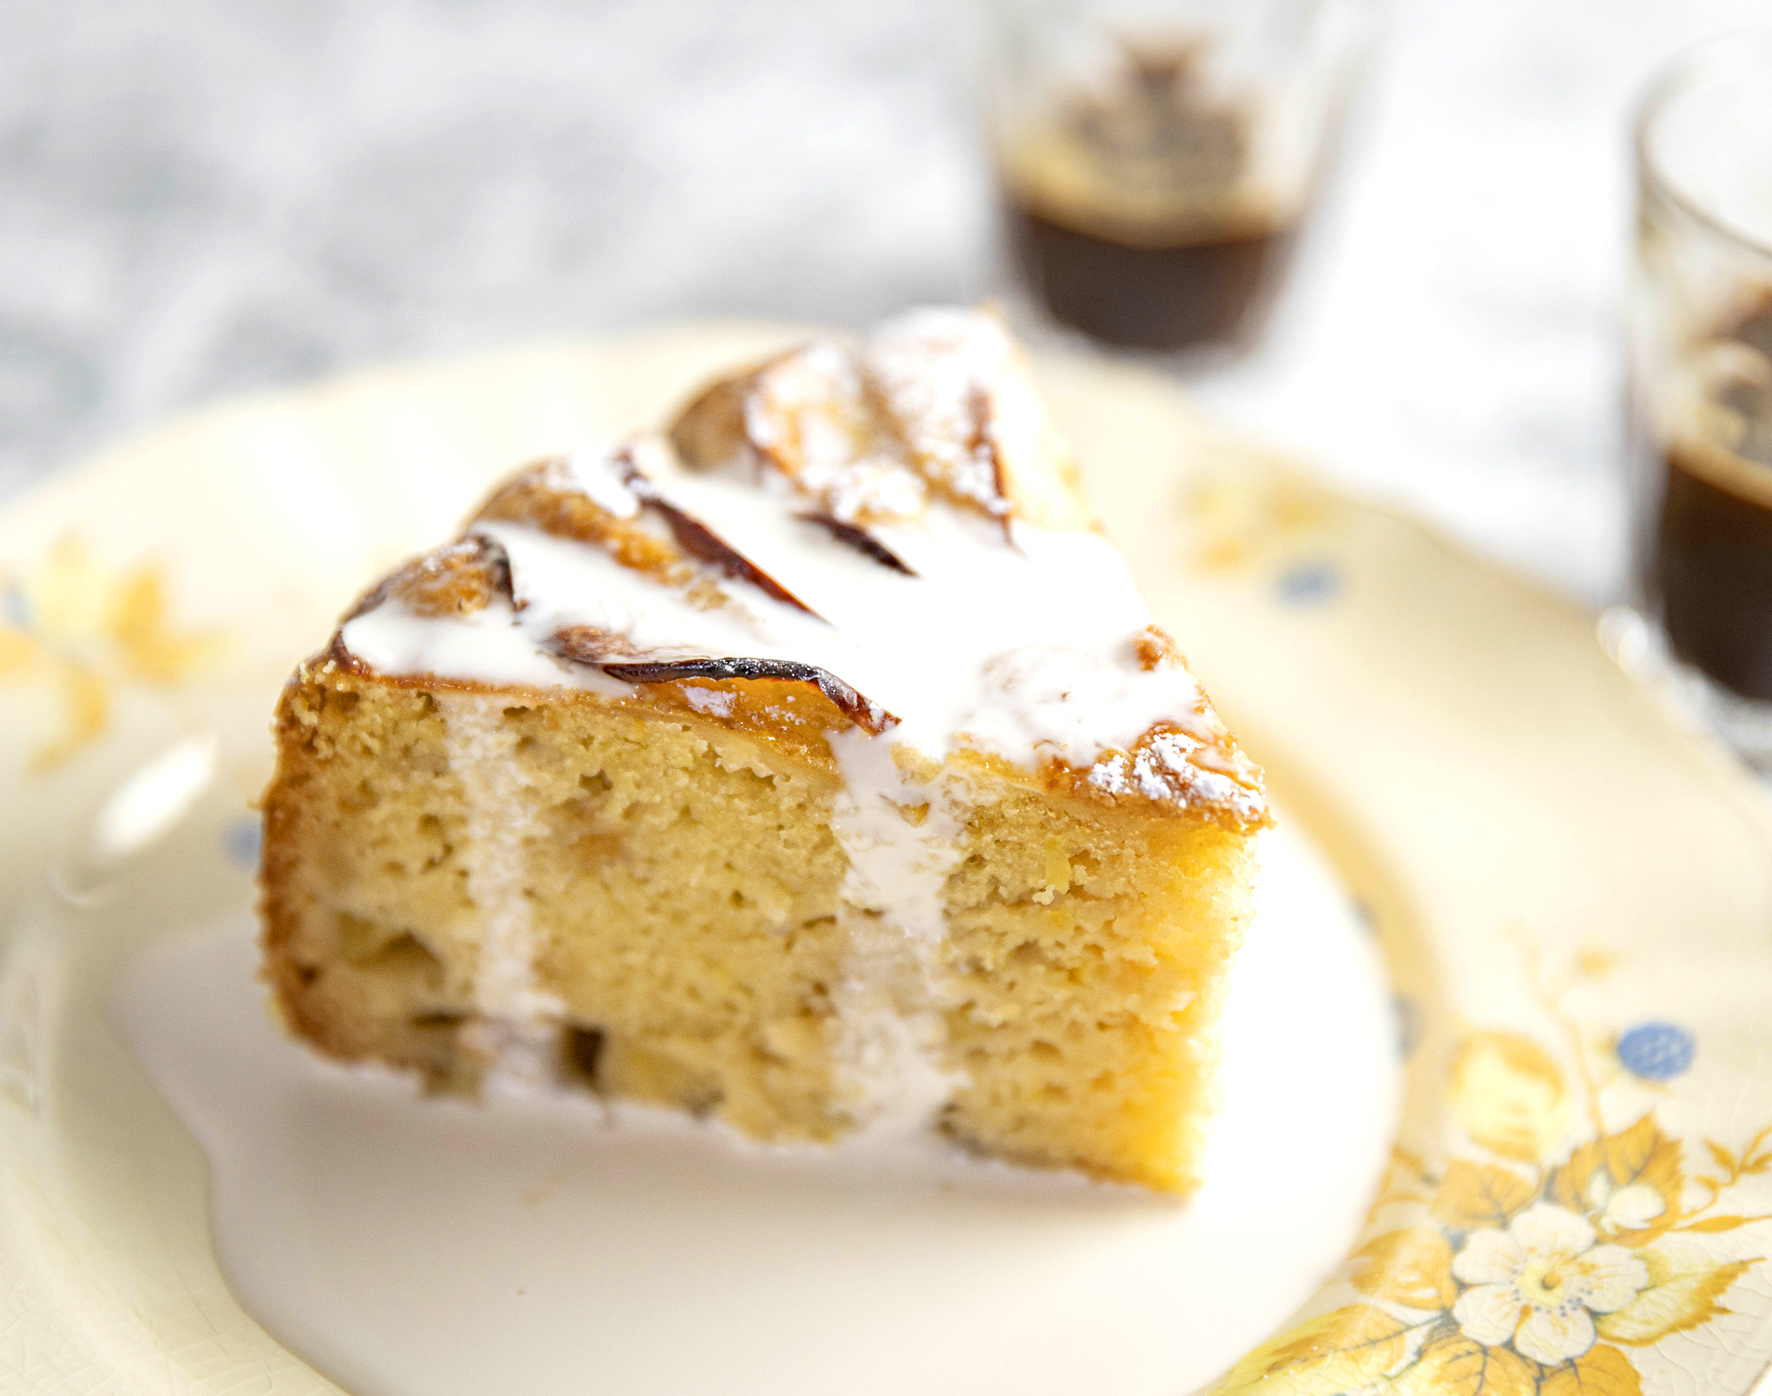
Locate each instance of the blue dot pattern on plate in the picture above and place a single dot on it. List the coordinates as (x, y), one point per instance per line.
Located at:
(241, 841)
(1408, 1013)
(1656, 1051)
(1309, 583)
(14, 608)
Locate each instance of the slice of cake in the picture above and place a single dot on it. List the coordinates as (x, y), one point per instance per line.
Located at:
(813, 764)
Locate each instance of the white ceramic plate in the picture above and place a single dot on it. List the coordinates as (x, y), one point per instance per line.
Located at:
(1570, 895)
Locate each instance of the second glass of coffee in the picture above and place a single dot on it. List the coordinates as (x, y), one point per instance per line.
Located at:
(1701, 381)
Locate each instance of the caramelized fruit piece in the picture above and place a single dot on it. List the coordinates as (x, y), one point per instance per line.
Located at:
(455, 580)
(710, 431)
(1156, 649)
(547, 497)
(862, 711)
(859, 539)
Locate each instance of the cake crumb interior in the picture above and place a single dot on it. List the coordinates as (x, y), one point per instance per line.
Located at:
(683, 894)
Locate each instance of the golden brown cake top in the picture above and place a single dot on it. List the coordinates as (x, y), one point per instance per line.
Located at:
(892, 525)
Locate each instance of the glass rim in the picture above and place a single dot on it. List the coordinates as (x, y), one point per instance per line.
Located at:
(1677, 76)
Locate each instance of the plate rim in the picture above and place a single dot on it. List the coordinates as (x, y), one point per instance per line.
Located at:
(1505, 1089)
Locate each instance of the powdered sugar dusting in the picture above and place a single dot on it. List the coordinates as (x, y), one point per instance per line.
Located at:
(1160, 769)
(1070, 703)
(708, 700)
(595, 475)
(947, 376)
(870, 488)
(809, 418)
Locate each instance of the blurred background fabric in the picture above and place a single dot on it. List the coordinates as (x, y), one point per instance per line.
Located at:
(200, 197)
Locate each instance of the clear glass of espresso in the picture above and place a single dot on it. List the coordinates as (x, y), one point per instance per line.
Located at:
(1156, 158)
(1700, 382)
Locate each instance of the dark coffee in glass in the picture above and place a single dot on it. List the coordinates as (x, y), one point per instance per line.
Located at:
(1701, 388)
(1156, 162)
(1137, 216)
(1708, 562)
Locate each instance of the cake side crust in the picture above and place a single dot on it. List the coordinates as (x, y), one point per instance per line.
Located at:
(1090, 952)
(689, 921)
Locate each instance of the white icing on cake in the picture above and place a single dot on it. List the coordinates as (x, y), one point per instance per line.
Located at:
(518, 1023)
(1072, 702)
(902, 841)
(593, 474)
(1023, 651)
(481, 647)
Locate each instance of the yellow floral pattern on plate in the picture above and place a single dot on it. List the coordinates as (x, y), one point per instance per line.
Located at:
(1532, 1258)
(87, 628)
